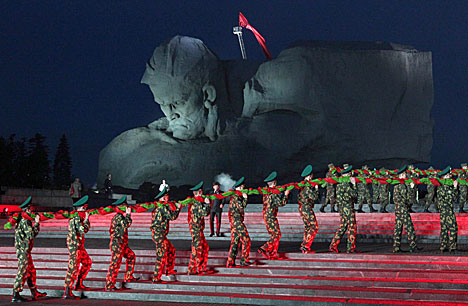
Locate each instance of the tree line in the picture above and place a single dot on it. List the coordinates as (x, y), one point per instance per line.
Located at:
(25, 163)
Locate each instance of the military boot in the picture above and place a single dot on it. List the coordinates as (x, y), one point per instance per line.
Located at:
(79, 284)
(34, 292)
(17, 298)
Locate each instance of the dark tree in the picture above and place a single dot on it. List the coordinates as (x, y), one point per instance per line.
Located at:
(13, 163)
(38, 175)
(62, 165)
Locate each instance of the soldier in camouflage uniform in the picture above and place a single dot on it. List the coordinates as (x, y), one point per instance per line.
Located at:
(239, 233)
(463, 189)
(345, 195)
(306, 198)
(431, 190)
(77, 227)
(383, 192)
(25, 233)
(364, 195)
(163, 213)
(331, 196)
(401, 195)
(119, 246)
(271, 203)
(446, 196)
(196, 219)
(413, 191)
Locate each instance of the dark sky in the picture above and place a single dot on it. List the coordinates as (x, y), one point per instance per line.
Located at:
(74, 67)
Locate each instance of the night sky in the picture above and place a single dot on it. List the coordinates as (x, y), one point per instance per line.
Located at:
(74, 67)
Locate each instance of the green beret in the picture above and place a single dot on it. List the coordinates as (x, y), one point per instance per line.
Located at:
(430, 168)
(271, 177)
(464, 165)
(402, 169)
(81, 201)
(348, 169)
(120, 201)
(162, 193)
(26, 203)
(307, 170)
(239, 182)
(197, 187)
(445, 171)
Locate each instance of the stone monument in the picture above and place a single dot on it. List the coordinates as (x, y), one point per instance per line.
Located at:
(317, 102)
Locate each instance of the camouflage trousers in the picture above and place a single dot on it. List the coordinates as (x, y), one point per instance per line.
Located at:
(364, 196)
(429, 199)
(330, 198)
(310, 225)
(239, 235)
(165, 256)
(463, 196)
(119, 251)
(382, 198)
(412, 197)
(347, 225)
(448, 229)
(199, 257)
(403, 219)
(26, 271)
(272, 226)
(78, 256)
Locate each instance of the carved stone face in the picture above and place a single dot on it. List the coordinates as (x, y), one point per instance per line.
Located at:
(183, 107)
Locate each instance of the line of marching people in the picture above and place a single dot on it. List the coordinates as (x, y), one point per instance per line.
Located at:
(346, 194)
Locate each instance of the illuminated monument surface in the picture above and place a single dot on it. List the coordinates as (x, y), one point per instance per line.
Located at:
(317, 102)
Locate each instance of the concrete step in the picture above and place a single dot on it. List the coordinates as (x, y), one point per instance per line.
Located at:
(227, 298)
(386, 279)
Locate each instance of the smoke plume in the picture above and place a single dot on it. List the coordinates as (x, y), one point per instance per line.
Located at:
(225, 181)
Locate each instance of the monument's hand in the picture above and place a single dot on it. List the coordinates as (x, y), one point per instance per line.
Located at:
(162, 136)
(159, 124)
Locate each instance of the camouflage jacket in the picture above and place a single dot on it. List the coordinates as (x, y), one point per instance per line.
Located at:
(446, 196)
(271, 203)
(161, 217)
(307, 195)
(119, 228)
(463, 175)
(400, 194)
(25, 233)
(384, 187)
(77, 228)
(197, 213)
(330, 185)
(345, 193)
(363, 186)
(237, 205)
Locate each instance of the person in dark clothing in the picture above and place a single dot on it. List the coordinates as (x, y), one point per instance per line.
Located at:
(108, 186)
(216, 210)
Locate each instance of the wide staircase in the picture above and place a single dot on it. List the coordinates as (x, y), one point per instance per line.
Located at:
(296, 279)
(373, 277)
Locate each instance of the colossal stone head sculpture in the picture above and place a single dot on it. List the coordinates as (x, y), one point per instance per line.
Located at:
(317, 102)
(186, 80)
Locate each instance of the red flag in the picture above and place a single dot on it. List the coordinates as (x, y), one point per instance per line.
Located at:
(245, 24)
